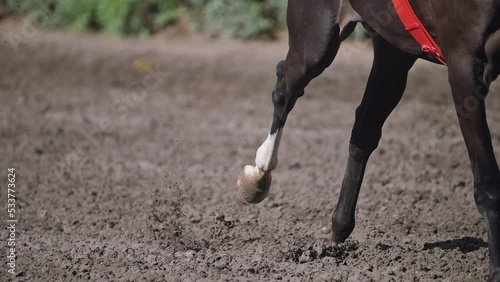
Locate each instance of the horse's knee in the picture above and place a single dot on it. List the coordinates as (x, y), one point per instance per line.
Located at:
(365, 143)
(294, 74)
(284, 97)
(364, 137)
(279, 91)
(280, 69)
(315, 64)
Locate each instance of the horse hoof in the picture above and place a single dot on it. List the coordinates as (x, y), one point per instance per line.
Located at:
(495, 276)
(342, 227)
(254, 184)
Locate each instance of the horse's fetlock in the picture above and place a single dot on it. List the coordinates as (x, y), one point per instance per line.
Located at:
(342, 221)
(487, 186)
(488, 201)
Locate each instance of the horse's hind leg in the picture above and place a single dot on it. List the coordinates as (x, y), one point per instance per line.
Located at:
(469, 88)
(384, 90)
(314, 41)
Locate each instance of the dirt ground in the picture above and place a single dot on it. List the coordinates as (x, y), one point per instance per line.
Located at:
(127, 153)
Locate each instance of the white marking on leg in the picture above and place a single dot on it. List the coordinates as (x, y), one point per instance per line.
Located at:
(266, 158)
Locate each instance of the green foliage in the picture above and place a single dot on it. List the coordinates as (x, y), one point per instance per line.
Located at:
(168, 13)
(359, 33)
(277, 8)
(115, 17)
(237, 18)
(232, 18)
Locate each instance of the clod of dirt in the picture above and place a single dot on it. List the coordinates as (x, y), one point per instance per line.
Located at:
(310, 253)
(383, 247)
(227, 222)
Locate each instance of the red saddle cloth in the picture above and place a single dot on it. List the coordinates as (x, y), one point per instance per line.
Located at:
(417, 29)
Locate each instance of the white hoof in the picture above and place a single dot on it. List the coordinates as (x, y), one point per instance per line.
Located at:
(254, 184)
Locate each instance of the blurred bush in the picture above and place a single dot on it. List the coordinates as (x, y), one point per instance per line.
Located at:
(233, 18)
(359, 33)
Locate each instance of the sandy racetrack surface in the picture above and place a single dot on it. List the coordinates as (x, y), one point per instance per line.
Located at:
(116, 183)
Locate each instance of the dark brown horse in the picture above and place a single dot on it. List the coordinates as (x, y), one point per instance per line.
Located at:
(468, 32)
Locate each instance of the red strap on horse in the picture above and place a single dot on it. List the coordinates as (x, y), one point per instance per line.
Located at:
(417, 29)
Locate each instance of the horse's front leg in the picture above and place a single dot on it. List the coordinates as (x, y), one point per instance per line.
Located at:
(383, 92)
(469, 91)
(314, 39)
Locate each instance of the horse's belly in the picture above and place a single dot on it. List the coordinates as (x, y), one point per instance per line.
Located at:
(381, 16)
